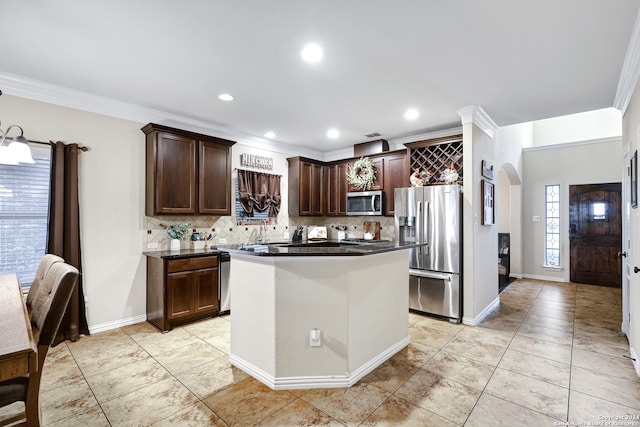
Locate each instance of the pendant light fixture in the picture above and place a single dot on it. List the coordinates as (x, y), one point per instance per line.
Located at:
(14, 150)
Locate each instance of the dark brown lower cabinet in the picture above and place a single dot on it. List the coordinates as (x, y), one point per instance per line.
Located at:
(181, 290)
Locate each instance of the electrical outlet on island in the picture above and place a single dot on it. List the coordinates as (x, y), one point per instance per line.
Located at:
(315, 338)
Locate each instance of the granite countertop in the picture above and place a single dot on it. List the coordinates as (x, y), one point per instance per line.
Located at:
(182, 253)
(324, 248)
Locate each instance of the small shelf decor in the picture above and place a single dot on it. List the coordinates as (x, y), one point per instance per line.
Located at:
(175, 232)
(419, 178)
(449, 176)
(361, 174)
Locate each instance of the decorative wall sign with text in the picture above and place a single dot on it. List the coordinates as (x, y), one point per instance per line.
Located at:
(255, 161)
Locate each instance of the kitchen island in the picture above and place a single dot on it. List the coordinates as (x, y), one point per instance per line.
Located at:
(312, 316)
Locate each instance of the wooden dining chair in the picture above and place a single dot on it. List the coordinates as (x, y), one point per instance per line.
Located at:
(48, 308)
(47, 261)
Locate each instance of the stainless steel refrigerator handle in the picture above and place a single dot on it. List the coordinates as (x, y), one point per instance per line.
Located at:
(426, 227)
(430, 274)
(419, 228)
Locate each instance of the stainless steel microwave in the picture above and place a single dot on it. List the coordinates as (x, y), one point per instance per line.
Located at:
(364, 203)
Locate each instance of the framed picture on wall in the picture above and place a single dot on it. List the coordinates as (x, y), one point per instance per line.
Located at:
(488, 199)
(634, 180)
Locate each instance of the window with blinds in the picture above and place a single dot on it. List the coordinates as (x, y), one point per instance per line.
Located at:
(24, 208)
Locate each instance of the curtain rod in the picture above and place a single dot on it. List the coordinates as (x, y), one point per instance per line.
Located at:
(248, 170)
(50, 143)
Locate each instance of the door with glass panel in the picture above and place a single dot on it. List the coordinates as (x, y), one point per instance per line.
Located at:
(595, 234)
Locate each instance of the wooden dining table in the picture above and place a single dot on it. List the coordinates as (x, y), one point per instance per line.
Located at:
(18, 348)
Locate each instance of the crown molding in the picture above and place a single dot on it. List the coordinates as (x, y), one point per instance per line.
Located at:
(281, 148)
(343, 153)
(612, 139)
(630, 72)
(395, 143)
(398, 143)
(36, 90)
(476, 115)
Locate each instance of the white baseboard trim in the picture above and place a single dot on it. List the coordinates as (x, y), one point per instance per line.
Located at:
(636, 363)
(473, 321)
(107, 326)
(546, 278)
(324, 381)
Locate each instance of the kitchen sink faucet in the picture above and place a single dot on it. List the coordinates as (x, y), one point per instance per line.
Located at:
(262, 238)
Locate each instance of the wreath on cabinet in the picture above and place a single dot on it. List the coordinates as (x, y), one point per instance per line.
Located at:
(361, 174)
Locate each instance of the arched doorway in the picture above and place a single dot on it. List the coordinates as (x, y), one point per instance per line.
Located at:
(509, 224)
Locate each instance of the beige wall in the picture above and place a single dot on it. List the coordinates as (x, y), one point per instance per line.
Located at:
(509, 141)
(585, 126)
(570, 164)
(503, 151)
(503, 202)
(111, 195)
(480, 265)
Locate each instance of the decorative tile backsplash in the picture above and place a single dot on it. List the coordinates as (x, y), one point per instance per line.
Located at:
(354, 224)
(225, 229)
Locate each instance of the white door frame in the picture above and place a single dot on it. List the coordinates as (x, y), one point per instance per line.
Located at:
(626, 240)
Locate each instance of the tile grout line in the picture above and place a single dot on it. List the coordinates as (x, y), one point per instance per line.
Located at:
(495, 369)
(573, 338)
(484, 389)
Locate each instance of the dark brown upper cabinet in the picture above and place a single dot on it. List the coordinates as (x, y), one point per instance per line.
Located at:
(392, 171)
(396, 175)
(307, 193)
(317, 188)
(187, 173)
(377, 162)
(336, 189)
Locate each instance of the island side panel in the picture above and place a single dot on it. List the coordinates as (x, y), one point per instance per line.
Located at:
(378, 306)
(312, 293)
(359, 302)
(252, 284)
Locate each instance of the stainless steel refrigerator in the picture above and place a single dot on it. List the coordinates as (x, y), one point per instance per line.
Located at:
(432, 215)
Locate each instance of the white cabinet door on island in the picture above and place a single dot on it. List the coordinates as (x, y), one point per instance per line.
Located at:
(360, 304)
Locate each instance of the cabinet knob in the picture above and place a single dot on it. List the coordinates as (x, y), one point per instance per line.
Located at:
(636, 269)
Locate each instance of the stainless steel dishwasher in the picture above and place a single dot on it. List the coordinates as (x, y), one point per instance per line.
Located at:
(223, 283)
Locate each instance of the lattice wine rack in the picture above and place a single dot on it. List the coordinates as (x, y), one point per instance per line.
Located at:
(436, 155)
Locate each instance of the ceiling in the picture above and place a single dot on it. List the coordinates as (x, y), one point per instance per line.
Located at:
(520, 61)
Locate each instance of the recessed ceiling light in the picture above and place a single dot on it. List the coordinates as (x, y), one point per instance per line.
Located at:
(270, 135)
(225, 97)
(411, 114)
(333, 133)
(312, 53)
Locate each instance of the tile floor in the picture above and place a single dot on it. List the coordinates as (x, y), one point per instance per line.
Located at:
(549, 354)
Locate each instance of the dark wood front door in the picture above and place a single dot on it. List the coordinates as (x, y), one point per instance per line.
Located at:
(595, 234)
